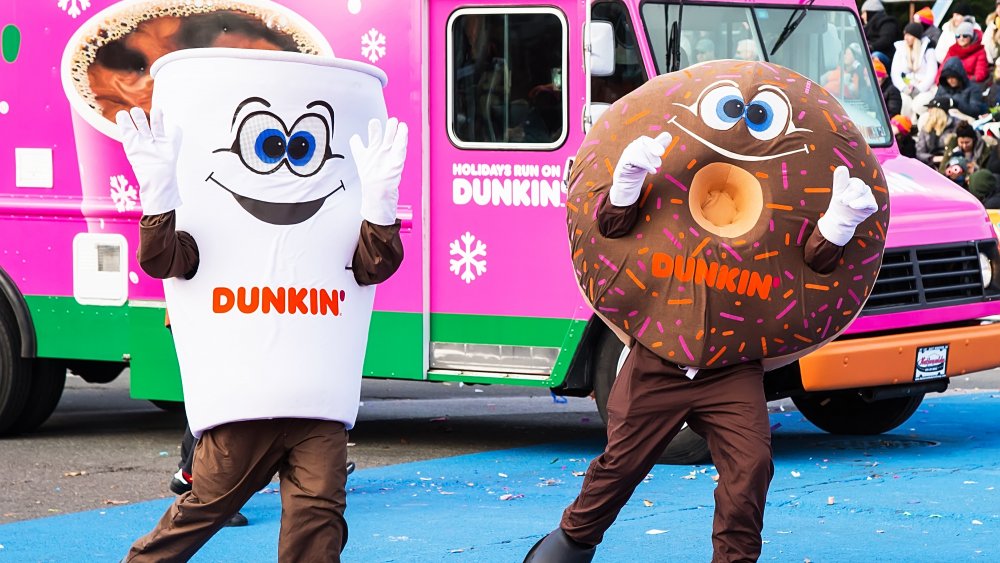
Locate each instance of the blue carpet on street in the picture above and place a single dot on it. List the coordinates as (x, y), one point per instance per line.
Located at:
(925, 492)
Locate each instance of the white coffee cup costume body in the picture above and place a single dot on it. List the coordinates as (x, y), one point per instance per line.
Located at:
(273, 324)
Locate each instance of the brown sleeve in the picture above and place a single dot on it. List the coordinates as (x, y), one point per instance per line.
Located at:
(379, 253)
(614, 221)
(165, 252)
(820, 254)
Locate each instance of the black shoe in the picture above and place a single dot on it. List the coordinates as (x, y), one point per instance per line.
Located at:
(178, 484)
(557, 547)
(350, 467)
(237, 520)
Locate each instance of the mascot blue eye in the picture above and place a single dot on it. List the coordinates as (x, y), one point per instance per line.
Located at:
(730, 109)
(722, 107)
(270, 146)
(301, 147)
(759, 116)
(768, 115)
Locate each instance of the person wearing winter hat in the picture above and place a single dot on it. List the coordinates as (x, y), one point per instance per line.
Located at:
(903, 131)
(893, 101)
(881, 29)
(925, 17)
(983, 185)
(913, 70)
(968, 47)
(960, 12)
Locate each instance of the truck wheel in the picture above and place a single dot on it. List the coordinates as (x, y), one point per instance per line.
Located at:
(687, 448)
(48, 378)
(15, 371)
(849, 413)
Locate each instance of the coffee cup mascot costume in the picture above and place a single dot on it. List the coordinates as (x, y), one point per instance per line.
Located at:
(726, 218)
(269, 184)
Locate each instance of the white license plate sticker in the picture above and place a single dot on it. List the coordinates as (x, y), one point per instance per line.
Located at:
(931, 362)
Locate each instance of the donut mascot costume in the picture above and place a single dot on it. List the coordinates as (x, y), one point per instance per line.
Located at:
(269, 183)
(724, 219)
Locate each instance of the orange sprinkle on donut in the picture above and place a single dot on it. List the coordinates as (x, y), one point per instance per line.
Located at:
(637, 117)
(680, 301)
(761, 175)
(764, 255)
(635, 280)
(763, 344)
(701, 246)
(699, 335)
(817, 286)
(816, 190)
(692, 163)
(607, 164)
(802, 338)
(779, 207)
(787, 293)
(829, 120)
(572, 207)
(716, 356)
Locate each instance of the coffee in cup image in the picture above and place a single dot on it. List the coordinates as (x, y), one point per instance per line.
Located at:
(106, 65)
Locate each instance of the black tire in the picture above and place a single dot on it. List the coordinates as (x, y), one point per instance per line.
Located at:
(93, 371)
(687, 448)
(48, 378)
(849, 413)
(168, 406)
(15, 371)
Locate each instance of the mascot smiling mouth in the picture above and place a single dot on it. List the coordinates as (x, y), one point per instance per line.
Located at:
(278, 213)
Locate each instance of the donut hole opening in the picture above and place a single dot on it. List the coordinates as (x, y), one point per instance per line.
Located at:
(725, 200)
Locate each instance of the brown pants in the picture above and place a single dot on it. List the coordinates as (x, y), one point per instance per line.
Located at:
(234, 461)
(648, 404)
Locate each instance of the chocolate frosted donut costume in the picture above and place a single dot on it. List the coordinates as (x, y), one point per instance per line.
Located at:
(713, 273)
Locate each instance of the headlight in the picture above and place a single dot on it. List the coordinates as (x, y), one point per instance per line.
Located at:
(986, 268)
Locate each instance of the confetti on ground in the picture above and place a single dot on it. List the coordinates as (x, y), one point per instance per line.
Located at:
(977, 523)
(830, 501)
(655, 532)
(796, 474)
(115, 502)
(647, 503)
(74, 473)
(509, 496)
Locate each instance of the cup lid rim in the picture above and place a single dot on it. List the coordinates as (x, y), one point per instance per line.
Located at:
(264, 55)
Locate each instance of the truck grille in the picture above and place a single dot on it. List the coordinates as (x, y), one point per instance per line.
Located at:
(928, 276)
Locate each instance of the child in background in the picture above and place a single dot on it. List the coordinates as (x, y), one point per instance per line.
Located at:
(903, 130)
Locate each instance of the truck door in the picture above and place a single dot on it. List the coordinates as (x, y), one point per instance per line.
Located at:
(508, 85)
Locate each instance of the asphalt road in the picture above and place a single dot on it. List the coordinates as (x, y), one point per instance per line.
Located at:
(101, 448)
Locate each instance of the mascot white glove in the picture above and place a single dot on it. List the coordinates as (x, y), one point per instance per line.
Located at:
(642, 156)
(153, 158)
(852, 203)
(380, 166)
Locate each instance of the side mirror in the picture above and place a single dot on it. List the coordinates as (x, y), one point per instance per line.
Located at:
(602, 48)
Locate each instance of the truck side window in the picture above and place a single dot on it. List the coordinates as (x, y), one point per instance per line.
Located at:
(505, 78)
(629, 72)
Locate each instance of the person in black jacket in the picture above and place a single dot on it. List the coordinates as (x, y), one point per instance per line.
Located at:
(893, 99)
(954, 84)
(903, 131)
(881, 29)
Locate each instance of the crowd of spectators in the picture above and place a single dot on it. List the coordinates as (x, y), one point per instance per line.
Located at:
(938, 80)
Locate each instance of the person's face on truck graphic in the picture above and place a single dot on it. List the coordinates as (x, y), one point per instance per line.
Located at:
(275, 151)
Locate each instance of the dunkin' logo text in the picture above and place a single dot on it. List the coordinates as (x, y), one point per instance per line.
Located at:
(711, 274)
(280, 300)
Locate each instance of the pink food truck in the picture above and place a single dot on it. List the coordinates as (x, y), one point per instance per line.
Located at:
(498, 95)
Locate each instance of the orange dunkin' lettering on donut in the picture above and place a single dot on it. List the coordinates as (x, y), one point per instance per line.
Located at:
(280, 300)
(712, 274)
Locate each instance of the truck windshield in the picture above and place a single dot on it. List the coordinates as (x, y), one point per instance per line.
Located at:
(827, 46)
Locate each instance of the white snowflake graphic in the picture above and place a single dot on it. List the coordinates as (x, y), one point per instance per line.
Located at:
(373, 45)
(74, 7)
(124, 195)
(467, 257)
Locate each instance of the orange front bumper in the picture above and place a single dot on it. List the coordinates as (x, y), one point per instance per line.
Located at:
(891, 360)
